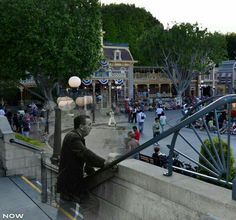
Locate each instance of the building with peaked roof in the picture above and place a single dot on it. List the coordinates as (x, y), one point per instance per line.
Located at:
(113, 81)
(118, 79)
(226, 76)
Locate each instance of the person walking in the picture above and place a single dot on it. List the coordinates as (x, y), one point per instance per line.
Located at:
(136, 133)
(130, 114)
(141, 118)
(25, 128)
(156, 128)
(159, 111)
(16, 124)
(131, 143)
(162, 121)
(112, 120)
(134, 115)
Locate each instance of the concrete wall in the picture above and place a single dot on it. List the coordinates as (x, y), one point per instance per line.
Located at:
(140, 191)
(15, 159)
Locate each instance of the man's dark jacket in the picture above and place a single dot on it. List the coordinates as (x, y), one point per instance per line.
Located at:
(74, 160)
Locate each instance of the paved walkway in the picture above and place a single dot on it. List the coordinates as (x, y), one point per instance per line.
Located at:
(20, 201)
(103, 139)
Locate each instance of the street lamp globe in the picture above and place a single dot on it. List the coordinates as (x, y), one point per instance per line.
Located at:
(66, 103)
(74, 82)
(80, 101)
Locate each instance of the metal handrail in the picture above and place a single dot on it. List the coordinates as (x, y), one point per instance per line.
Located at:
(221, 101)
(202, 102)
(188, 119)
(43, 167)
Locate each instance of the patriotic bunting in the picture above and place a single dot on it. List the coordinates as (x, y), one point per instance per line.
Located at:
(103, 81)
(104, 63)
(119, 81)
(87, 82)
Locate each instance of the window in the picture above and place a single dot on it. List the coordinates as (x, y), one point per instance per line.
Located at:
(117, 55)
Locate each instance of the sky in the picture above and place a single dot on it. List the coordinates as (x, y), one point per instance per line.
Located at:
(215, 15)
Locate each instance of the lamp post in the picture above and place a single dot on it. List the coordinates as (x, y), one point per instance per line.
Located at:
(201, 88)
(72, 96)
(21, 88)
(213, 81)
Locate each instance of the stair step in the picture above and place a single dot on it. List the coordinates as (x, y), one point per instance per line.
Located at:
(55, 209)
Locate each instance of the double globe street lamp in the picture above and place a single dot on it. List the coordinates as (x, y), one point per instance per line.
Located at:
(74, 96)
(71, 98)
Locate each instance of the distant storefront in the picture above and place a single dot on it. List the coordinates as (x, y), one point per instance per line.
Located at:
(226, 76)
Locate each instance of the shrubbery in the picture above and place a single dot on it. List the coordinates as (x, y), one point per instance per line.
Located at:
(211, 149)
(29, 140)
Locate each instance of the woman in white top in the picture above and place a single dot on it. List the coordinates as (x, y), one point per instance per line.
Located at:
(159, 111)
(162, 121)
(141, 118)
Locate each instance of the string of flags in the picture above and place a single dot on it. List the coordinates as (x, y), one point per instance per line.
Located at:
(88, 82)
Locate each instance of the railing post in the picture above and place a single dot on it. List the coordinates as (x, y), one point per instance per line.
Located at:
(171, 153)
(234, 189)
(44, 196)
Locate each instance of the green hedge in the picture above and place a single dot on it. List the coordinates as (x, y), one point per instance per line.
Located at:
(29, 140)
(217, 146)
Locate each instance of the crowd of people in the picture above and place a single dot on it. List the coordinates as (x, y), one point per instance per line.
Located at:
(210, 122)
(137, 116)
(22, 120)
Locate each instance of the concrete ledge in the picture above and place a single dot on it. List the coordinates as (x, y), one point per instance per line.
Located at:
(141, 190)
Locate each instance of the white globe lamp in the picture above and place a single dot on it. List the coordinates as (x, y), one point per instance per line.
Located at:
(74, 82)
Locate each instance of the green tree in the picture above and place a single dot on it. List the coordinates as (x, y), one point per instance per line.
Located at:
(125, 23)
(231, 45)
(183, 52)
(51, 40)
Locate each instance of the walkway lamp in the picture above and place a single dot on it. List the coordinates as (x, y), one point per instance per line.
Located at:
(72, 97)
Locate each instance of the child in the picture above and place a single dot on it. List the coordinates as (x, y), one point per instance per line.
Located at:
(211, 124)
(160, 159)
(156, 128)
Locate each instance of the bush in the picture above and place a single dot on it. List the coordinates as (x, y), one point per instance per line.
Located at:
(217, 146)
(29, 140)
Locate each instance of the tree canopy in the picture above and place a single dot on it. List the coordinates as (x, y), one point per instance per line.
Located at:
(231, 45)
(52, 40)
(183, 51)
(125, 23)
